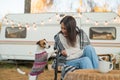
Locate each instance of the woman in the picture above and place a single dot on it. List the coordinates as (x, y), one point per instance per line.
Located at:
(74, 44)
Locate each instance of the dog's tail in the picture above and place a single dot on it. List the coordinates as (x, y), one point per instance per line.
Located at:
(21, 72)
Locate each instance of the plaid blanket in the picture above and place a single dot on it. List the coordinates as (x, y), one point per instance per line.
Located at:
(66, 69)
(39, 63)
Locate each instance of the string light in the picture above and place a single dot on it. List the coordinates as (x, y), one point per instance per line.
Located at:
(87, 20)
(34, 26)
(4, 19)
(58, 17)
(80, 15)
(27, 26)
(7, 22)
(20, 26)
(11, 22)
(12, 26)
(50, 19)
(115, 19)
(96, 23)
(106, 23)
(42, 22)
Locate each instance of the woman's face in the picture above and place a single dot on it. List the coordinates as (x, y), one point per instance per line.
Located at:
(63, 29)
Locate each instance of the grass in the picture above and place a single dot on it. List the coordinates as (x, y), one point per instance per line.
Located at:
(5, 64)
(10, 65)
(8, 72)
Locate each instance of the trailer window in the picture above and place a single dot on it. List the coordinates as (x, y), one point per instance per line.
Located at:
(15, 32)
(102, 33)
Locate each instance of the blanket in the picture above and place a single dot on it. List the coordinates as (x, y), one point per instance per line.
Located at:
(66, 69)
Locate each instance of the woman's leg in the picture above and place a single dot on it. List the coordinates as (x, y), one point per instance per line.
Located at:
(81, 63)
(89, 51)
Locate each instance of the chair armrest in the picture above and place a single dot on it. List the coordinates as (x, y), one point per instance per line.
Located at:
(107, 57)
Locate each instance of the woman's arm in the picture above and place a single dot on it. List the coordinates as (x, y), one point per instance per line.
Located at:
(72, 53)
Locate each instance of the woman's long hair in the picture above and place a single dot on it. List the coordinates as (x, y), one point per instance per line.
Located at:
(70, 25)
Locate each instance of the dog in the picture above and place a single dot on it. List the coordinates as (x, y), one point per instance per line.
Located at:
(43, 45)
(41, 56)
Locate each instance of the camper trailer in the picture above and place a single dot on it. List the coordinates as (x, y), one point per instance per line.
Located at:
(20, 32)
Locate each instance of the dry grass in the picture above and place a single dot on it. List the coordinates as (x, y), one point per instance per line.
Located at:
(9, 72)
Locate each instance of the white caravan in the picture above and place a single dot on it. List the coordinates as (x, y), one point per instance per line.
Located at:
(20, 32)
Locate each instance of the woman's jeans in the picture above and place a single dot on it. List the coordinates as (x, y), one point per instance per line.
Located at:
(89, 59)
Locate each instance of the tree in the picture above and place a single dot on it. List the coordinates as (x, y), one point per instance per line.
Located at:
(27, 6)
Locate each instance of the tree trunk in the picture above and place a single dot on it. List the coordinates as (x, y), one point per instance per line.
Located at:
(27, 6)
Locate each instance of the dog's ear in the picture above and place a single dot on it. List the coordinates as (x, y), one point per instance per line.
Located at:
(37, 42)
(44, 39)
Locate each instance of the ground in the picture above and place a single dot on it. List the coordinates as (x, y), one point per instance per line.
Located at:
(8, 72)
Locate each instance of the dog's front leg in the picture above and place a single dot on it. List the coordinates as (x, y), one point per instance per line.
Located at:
(53, 53)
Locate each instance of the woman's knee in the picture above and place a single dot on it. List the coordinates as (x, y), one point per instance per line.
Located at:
(89, 47)
(88, 50)
(85, 62)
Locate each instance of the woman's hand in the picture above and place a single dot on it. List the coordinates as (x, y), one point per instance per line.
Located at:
(63, 52)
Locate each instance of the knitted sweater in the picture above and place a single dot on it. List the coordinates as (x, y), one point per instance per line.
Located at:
(72, 52)
(59, 46)
(82, 36)
(39, 63)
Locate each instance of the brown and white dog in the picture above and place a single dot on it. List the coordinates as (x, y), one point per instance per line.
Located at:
(42, 45)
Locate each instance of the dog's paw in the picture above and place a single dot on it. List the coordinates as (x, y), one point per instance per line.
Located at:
(56, 51)
(32, 77)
